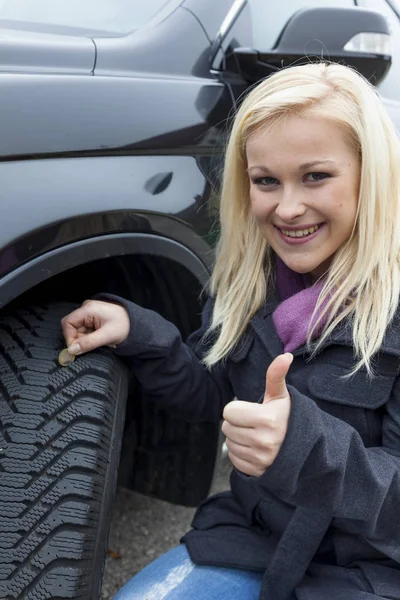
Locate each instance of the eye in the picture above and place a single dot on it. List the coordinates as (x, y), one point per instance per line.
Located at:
(316, 177)
(265, 181)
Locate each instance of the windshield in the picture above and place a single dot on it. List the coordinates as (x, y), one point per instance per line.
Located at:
(110, 16)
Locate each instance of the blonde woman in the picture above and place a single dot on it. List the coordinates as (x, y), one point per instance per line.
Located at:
(305, 289)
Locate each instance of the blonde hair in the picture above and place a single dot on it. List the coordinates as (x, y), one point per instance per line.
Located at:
(363, 281)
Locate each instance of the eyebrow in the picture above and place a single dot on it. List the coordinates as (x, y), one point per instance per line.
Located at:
(307, 165)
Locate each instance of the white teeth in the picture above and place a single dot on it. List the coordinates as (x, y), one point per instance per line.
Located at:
(300, 232)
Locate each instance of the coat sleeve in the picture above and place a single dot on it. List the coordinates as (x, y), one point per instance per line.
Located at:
(324, 465)
(169, 370)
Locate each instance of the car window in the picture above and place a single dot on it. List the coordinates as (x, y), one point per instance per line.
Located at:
(390, 86)
(269, 18)
(112, 16)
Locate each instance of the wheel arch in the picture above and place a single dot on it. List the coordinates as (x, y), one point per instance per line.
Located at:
(58, 260)
(167, 476)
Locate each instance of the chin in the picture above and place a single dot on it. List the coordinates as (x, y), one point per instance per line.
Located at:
(300, 269)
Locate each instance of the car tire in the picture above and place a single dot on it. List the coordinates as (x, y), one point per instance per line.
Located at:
(60, 438)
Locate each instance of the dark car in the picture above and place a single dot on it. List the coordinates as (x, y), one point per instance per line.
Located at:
(113, 122)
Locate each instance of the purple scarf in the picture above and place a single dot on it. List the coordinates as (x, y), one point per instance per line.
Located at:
(298, 299)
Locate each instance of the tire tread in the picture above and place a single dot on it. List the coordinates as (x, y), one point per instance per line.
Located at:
(60, 430)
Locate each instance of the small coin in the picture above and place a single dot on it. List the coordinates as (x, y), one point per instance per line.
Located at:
(65, 358)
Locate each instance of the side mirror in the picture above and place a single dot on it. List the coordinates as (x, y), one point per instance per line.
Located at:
(356, 37)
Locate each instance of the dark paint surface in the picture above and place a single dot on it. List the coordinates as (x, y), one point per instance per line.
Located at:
(117, 134)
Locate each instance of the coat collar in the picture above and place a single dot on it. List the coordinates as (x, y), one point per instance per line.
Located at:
(263, 326)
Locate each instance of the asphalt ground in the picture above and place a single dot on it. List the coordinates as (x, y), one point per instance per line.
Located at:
(143, 528)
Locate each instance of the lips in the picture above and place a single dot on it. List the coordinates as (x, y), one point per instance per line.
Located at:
(299, 235)
(296, 233)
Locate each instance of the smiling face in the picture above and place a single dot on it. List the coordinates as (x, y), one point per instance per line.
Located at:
(304, 184)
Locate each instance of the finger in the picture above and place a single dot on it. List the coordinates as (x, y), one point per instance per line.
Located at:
(86, 332)
(275, 386)
(239, 435)
(81, 317)
(70, 333)
(242, 452)
(84, 329)
(244, 466)
(243, 414)
(74, 322)
(86, 343)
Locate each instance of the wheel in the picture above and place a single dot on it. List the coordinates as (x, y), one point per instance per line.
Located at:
(60, 436)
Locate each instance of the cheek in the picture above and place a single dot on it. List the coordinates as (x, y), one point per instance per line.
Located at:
(255, 206)
(259, 206)
(341, 204)
(347, 209)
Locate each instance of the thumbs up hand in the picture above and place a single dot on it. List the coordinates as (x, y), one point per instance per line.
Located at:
(255, 432)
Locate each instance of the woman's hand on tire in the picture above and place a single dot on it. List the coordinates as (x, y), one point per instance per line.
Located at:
(95, 324)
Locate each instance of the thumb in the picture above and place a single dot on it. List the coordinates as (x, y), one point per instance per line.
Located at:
(91, 341)
(275, 386)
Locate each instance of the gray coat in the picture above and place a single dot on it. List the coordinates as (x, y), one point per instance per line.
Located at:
(324, 519)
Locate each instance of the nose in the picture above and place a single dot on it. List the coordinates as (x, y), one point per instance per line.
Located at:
(290, 206)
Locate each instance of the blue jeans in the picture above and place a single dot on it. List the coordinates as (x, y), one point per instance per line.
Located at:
(173, 576)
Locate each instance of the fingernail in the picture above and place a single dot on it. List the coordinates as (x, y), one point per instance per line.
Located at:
(74, 348)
